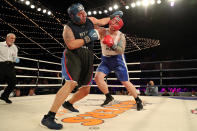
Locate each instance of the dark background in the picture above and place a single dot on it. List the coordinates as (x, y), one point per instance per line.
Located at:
(175, 27)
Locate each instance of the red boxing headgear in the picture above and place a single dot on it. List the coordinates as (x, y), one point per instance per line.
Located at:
(116, 23)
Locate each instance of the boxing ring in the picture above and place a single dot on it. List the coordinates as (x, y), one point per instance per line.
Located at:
(159, 113)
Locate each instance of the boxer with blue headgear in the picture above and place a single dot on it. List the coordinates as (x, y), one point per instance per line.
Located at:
(73, 11)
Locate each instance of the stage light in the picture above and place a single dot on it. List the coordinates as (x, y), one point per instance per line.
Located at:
(32, 6)
(27, 2)
(49, 13)
(115, 7)
(133, 5)
(127, 7)
(89, 12)
(145, 2)
(44, 11)
(158, 1)
(138, 3)
(152, 2)
(94, 12)
(172, 3)
(39, 9)
(110, 8)
(100, 12)
(105, 11)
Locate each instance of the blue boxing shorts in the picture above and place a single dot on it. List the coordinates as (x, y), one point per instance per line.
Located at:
(114, 63)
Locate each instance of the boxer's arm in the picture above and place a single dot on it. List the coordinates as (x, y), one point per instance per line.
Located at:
(105, 21)
(120, 47)
(102, 32)
(99, 22)
(70, 40)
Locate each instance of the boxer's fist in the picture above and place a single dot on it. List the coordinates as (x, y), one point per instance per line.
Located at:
(108, 40)
(91, 36)
(116, 13)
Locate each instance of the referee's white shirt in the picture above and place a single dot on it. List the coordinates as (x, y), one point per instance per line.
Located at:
(8, 53)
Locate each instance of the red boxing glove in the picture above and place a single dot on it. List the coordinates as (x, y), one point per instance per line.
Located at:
(108, 41)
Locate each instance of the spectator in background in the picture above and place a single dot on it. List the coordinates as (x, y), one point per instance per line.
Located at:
(60, 77)
(193, 93)
(165, 93)
(8, 56)
(32, 89)
(151, 89)
(175, 93)
(17, 92)
(142, 91)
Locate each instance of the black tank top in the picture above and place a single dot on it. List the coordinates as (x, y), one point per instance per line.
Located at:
(80, 31)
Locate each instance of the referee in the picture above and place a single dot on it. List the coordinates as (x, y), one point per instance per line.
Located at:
(8, 55)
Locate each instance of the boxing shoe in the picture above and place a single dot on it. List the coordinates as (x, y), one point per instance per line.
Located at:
(139, 105)
(107, 101)
(49, 122)
(6, 100)
(69, 106)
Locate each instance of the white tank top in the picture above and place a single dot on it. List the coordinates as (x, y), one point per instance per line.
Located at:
(107, 51)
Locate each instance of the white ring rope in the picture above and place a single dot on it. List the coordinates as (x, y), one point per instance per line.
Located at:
(34, 43)
(115, 86)
(49, 70)
(40, 60)
(23, 76)
(134, 63)
(36, 69)
(117, 78)
(26, 68)
(41, 77)
(135, 71)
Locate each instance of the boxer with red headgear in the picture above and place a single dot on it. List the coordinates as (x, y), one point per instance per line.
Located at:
(113, 44)
(77, 61)
(116, 23)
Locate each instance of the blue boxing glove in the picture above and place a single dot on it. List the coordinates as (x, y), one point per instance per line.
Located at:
(91, 36)
(119, 13)
(17, 60)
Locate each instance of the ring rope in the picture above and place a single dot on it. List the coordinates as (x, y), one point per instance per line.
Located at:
(134, 71)
(40, 60)
(41, 77)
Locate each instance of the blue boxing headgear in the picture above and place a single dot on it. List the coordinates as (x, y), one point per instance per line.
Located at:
(73, 10)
